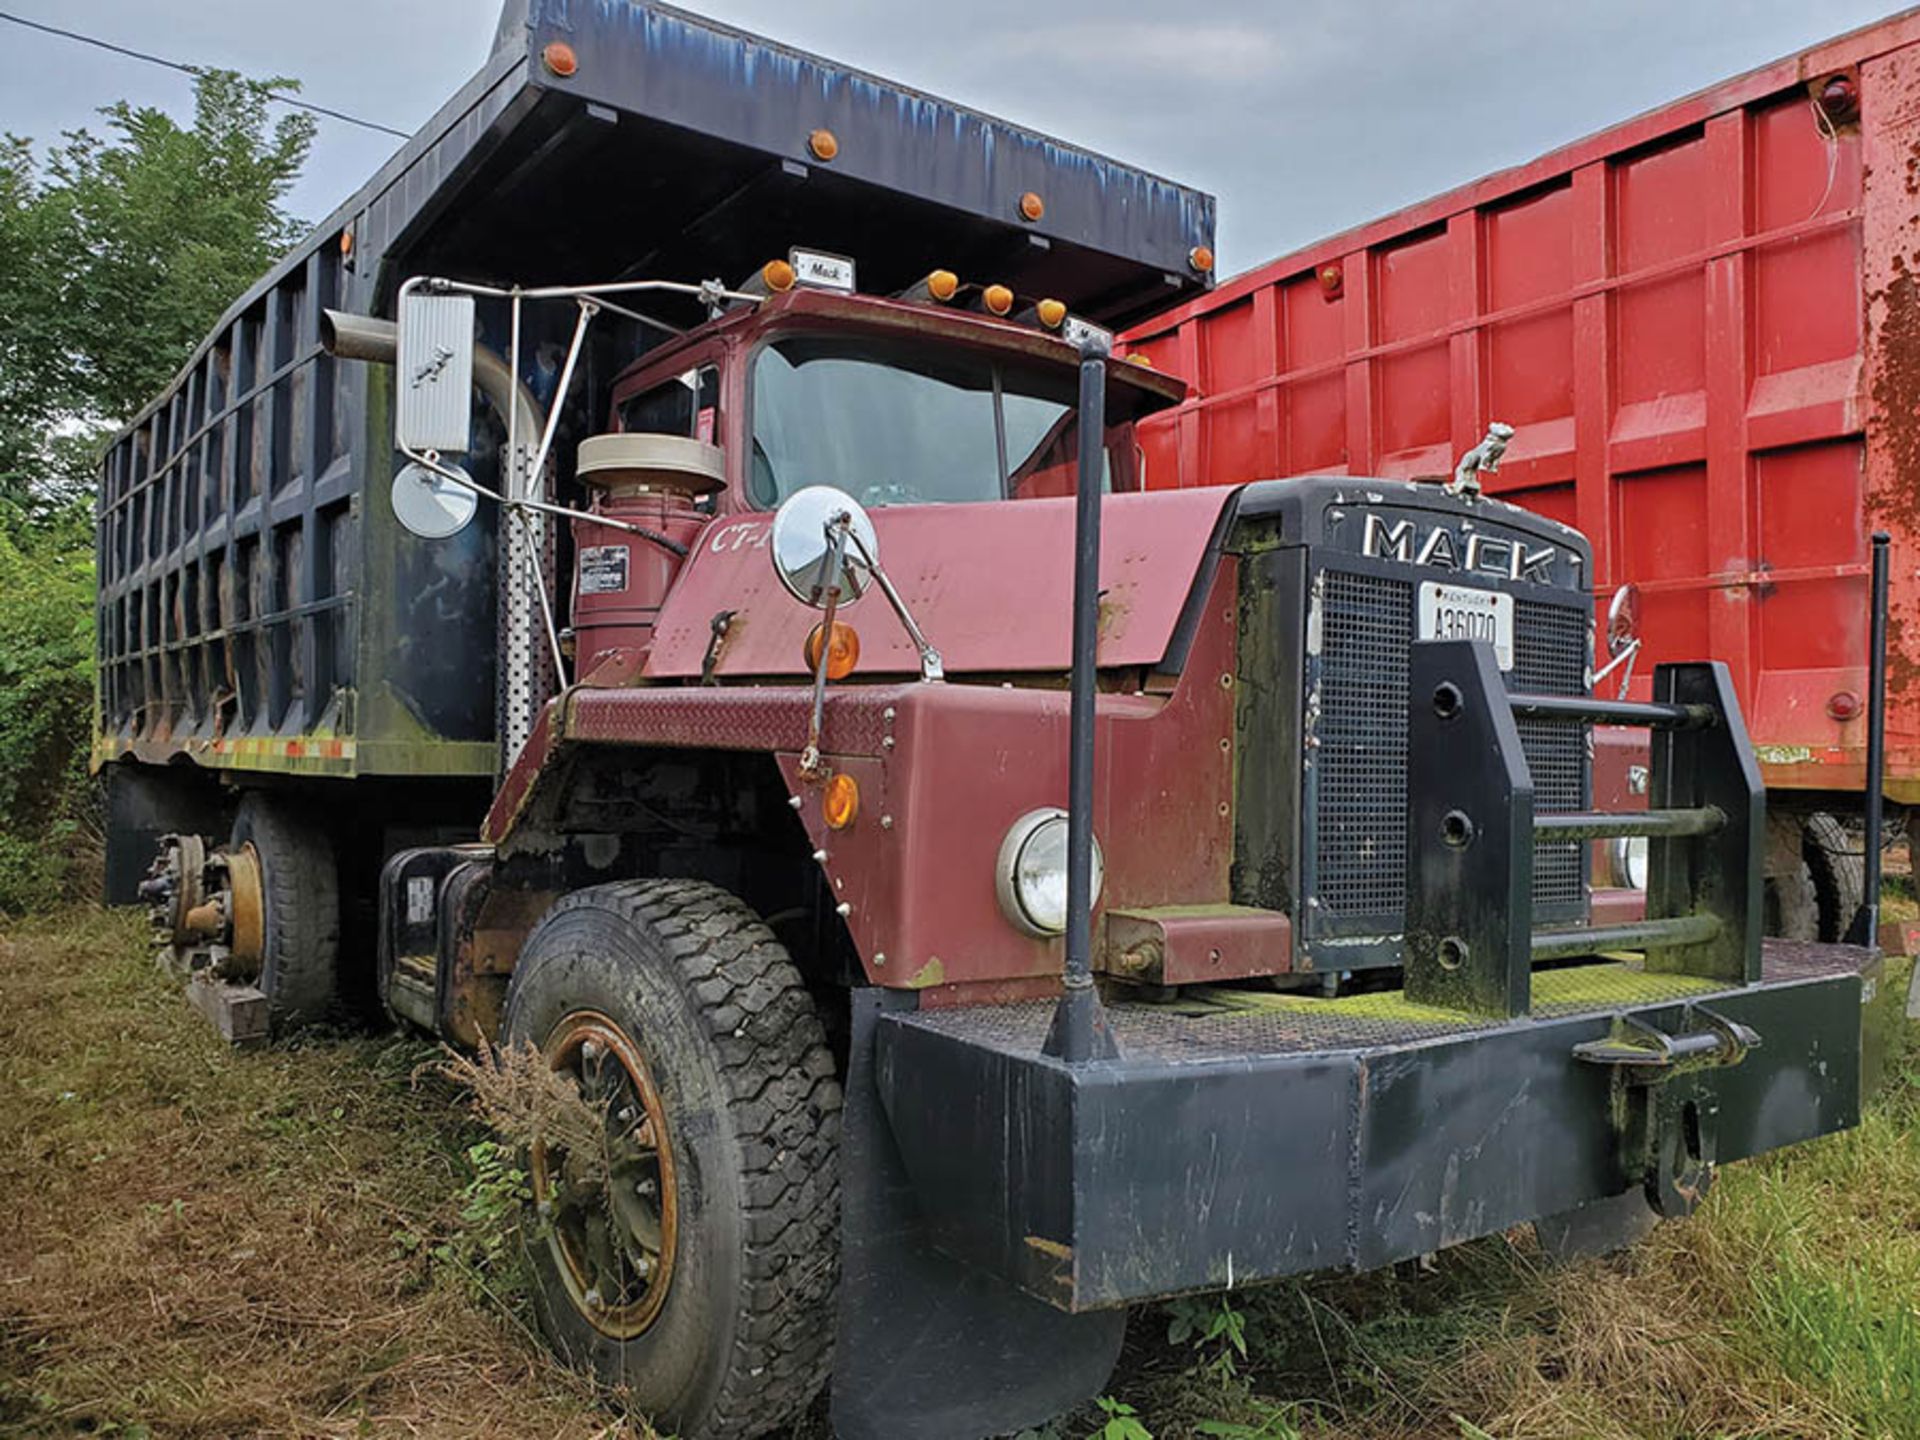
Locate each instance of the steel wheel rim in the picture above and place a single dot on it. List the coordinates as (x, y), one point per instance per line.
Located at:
(612, 1242)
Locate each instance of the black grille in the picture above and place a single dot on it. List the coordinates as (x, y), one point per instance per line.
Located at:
(1366, 627)
(1360, 750)
(1550, 658)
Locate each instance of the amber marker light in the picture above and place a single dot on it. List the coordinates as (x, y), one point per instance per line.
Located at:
(998, 299)
(943, 285)
(1201, 258)
(823, 144)
(839, 800)
(560, 59)
(777, 276)
(1050, 313)
(1032, 207)
(843, 650)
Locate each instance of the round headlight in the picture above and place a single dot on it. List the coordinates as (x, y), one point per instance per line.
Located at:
(1627, 860)
(1031, 874)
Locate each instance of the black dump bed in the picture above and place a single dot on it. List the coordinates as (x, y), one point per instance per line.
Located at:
(260, 608)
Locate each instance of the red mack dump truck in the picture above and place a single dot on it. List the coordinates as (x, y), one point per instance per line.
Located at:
(971, 891)
(1701, 326)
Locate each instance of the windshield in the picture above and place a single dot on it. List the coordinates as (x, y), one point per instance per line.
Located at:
(901, 424)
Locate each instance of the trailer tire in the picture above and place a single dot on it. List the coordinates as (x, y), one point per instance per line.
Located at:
(300, 900)
(735, 1066)
(1792, 902)
(1838, 868)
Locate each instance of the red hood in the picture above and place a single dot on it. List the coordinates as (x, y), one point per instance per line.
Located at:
(990, 584)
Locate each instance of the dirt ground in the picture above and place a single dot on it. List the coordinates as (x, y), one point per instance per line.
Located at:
(199, 1242)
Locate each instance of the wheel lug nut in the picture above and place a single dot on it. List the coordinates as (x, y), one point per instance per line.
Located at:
(645, 1187)
(626, 1114)
(593, 1300)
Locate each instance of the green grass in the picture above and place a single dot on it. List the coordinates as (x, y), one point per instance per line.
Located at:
(306, 1241)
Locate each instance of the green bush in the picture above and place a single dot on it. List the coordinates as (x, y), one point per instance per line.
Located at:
(48, 820)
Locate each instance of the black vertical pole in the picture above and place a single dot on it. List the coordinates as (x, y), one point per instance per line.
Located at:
(1866, 926)
(1079, 1030)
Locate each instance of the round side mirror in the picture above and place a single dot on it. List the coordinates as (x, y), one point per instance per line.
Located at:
(804, 542)
(1623, 619)
(430, 505)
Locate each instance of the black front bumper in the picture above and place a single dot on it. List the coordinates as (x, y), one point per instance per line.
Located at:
(1279, 1135)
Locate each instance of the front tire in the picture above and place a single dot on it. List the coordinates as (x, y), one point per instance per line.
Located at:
(709, 1302)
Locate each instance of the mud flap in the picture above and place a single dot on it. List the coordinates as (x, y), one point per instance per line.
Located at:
(928, 1348)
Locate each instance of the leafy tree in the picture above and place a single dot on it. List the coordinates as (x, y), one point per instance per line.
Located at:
(117, 254)
(166, 226)
(36, 384)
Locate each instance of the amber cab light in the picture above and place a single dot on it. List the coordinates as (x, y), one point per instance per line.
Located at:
(1032, 207)
(997, 298)
(843, 649)
(560, 59)
(1201, 258)
(777, 276)
(943, 284)
(823, 144)
(839, 800)
(1050, 313)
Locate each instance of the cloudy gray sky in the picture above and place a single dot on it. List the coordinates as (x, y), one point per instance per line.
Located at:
(1303, 116)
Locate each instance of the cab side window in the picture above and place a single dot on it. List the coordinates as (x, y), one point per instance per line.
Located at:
(688, 405)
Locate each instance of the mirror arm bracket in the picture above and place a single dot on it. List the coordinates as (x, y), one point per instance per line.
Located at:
(1625, 657)
(838, 529)
(931, 667)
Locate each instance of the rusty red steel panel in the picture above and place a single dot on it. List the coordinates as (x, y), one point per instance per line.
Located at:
(1151, 545)
(958, 764)
(1704, 325)
(517, 785)
(1198, 944)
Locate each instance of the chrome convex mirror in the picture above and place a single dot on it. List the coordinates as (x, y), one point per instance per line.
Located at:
(824, 551)
(823, 542)
(1623, 636)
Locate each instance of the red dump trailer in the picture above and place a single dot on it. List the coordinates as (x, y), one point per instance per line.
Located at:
(1704, 326)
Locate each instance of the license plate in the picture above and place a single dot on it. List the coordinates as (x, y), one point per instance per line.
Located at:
(1456, 612)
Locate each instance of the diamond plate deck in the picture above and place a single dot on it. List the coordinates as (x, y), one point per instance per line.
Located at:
(1224, 1024)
